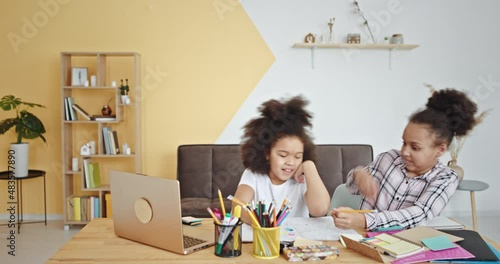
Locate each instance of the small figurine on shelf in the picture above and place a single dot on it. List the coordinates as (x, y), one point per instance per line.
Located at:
(106, 109)
(330, 25)
(353, 38)
(124, 92)
(85, 149)
(310, 38)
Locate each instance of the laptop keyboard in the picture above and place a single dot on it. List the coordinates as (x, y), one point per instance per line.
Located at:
(192, 241)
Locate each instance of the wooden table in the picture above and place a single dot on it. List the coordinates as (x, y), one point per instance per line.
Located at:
(97, 243)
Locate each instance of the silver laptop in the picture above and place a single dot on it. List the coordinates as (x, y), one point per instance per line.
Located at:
(148, 210)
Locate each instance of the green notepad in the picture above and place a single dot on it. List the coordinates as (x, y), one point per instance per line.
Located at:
(438, 243)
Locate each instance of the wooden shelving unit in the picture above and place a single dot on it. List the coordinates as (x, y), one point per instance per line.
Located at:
(107, 67)
(389, 47)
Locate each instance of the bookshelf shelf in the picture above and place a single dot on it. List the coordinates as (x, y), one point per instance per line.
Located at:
(104, 187)
(107, 67)
(110, 156)
(90, 88)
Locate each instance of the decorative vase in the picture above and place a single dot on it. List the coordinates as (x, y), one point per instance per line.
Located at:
(21, 158)
(452, 164)
(125, 99)
(106, 110)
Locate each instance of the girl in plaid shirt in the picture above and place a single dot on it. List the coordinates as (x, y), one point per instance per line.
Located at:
(410, 186)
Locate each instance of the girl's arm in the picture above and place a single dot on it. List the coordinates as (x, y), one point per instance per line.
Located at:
(245, 194)
(316, 196)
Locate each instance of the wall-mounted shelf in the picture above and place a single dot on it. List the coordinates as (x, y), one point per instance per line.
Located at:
(354, 46)
(389, 47)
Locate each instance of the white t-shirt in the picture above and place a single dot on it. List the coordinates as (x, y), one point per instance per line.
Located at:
(266, 191)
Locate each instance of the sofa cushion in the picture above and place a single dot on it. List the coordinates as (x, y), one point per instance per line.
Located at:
(203, 169)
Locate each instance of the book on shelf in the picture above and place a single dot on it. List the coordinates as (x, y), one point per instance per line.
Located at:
(116, 145)
(86, 172)
(83, 208)
(70, 208)
(84, 213)
(112, 149)
(72, 113)
(76, 208)
(105, 139)
(97, 207)
(104, 117)
(94, 175)
(66, 109)
(84, 113)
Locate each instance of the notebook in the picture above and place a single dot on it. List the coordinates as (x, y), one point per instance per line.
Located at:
(392, 243)
(441, 222)
(473, 260)
(148, 210)
(475, 244)
(393, 246)
(417, 234)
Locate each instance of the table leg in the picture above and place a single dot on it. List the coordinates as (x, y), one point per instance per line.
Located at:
(473, 207)
(18, 206)
(44, 200)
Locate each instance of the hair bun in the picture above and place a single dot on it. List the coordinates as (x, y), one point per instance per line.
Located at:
(292, 110)
(458, 109)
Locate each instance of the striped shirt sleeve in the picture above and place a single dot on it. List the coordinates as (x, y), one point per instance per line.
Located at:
(402, 200)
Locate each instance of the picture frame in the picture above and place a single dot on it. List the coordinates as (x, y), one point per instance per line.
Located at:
(78, 76)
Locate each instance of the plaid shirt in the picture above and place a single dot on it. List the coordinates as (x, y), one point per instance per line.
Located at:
(402, 200)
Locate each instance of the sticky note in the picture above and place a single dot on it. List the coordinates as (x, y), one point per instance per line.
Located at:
(438, 243)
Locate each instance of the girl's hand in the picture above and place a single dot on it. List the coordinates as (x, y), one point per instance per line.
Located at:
(348, 220)
(299, 176)
(366, 185)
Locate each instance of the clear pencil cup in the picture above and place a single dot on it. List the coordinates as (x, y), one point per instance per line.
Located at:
(228, 240)
(266, 242)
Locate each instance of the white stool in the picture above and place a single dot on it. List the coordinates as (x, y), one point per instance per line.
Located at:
(473, 186)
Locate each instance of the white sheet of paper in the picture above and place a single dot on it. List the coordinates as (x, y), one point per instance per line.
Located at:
(320, 228)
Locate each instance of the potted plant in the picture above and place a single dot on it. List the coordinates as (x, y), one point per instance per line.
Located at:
(124, 92)
(26, 126)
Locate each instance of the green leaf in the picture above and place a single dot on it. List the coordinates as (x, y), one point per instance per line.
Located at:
(25, 124)
(9, 102)
(6, 125)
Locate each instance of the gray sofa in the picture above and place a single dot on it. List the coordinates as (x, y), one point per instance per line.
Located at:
(203, 169)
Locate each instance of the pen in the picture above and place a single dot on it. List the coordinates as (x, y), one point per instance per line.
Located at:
(222, 203)
(238, 201)
(356, 211)
(254, 220)
(213, 216)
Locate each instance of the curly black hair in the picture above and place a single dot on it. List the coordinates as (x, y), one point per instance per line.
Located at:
(448, 113)
(278, 119)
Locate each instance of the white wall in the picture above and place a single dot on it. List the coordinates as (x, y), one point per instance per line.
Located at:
(356, 98)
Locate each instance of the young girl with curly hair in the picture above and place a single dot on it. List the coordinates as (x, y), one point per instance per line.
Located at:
(279, 157)
(410, 186)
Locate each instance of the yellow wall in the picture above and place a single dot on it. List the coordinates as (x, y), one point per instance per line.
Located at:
(200, 60)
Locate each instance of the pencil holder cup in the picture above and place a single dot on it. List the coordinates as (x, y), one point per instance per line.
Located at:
(266, 242)
(228, 240)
